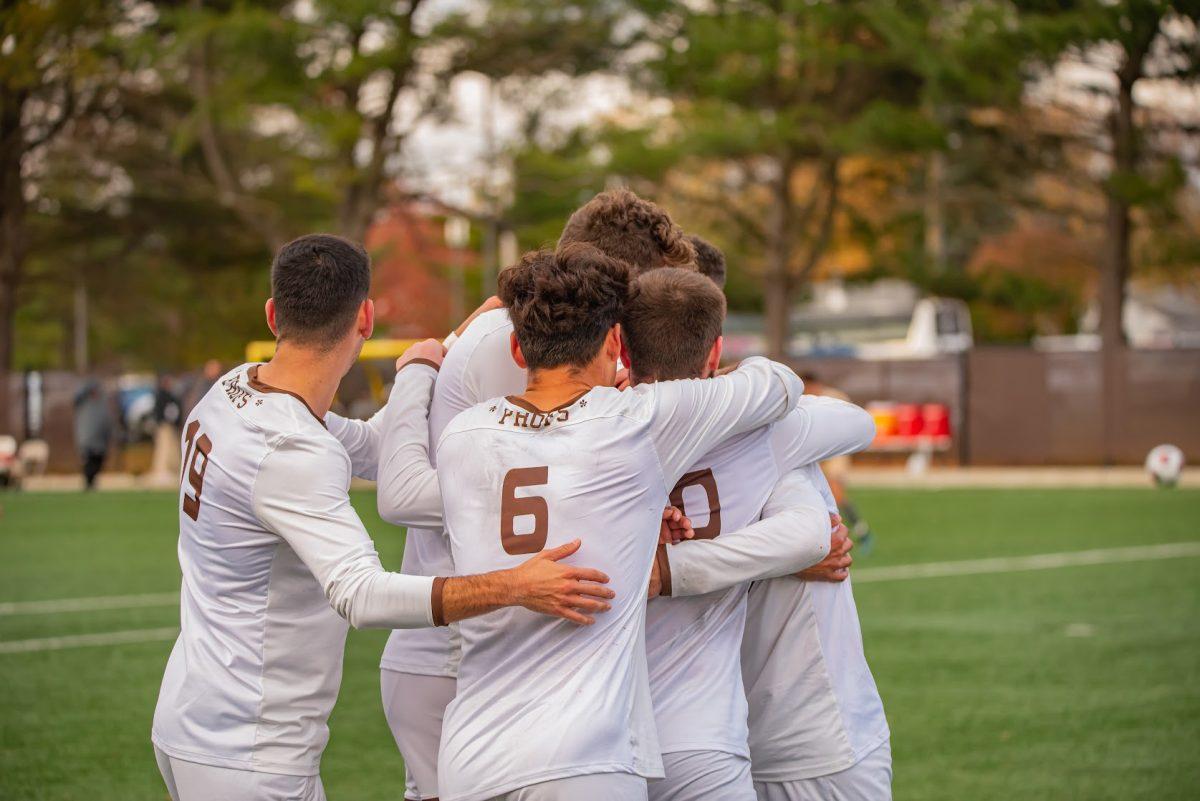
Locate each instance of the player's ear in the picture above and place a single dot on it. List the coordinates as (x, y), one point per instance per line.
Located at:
(625, 351)
(612, 344)
(514, 348)
(365, 324)
(270, 309)
(714, 357)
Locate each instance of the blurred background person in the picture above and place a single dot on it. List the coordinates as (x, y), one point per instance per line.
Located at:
(93, 429)
(164, 466)
(199, 386)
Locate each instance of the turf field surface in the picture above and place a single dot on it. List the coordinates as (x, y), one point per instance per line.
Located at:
(1075, 681)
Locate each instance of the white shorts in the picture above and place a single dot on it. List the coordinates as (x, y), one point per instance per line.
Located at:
(414, 706)
(191, 781)
(592, 787)
(870, 779)
(703, 776)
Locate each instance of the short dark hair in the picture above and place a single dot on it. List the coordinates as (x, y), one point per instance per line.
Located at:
(563, 303)
(670, 323)
(632, 229)
(318, 282)
(710, 260)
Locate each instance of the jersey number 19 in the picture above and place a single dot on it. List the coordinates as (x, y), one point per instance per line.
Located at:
(193, 467)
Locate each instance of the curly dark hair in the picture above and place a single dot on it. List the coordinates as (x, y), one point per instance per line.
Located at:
(670, 323)
(710, 260)
(563, 303)
(632, 229)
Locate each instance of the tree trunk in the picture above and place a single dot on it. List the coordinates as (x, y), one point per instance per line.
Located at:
(935, 225)
(13, 237)
(778, 280)
(1115, 264)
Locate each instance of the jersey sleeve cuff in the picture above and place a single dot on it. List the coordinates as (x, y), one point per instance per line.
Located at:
(436, 603)
(664, 569)
(425, 362)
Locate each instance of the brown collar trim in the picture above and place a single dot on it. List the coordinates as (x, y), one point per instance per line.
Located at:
(260, 386)
(529, 407)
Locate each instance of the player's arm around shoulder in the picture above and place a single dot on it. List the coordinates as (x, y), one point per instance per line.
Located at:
(408, 493)
(757, 390)
(820, 428)
(793, 534)
(542, 583)
(692, 416)
(300, 494)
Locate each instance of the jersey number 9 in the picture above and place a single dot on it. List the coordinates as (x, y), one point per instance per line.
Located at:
(707, 482)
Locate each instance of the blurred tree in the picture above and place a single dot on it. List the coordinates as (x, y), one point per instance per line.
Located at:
(225, 129)
(1120, 45)
(783, 92)
(298, 110)
(51, 55)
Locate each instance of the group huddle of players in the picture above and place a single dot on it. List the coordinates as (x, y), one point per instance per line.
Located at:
(624, 576)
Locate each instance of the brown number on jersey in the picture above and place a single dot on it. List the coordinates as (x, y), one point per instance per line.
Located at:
(708, 482)
(196, 447)
(512, 507)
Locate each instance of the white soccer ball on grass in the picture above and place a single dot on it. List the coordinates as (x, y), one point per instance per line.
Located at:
(1164, 463)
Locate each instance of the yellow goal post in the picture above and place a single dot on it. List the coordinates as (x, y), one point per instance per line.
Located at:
(372, 350)
(262, 350)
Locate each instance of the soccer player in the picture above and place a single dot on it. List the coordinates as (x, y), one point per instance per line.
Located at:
(540, 711)
(817, 726)
(672, 330)
(419, 666)
(275, 561)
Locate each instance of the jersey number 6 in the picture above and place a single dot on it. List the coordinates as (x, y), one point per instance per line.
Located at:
(512, 507)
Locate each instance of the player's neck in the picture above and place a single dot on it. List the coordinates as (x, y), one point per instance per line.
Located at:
(554, 386)
(313, 375)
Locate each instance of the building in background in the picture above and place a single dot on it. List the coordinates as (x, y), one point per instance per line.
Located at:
(414, 279)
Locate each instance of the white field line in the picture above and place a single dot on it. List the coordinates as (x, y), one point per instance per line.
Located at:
(967, 567)
(85, 640)
(1015, 564)
(89, 604)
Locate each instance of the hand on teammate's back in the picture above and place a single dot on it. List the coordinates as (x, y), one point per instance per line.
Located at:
(547, 586)
(836, 565)
(428, 350)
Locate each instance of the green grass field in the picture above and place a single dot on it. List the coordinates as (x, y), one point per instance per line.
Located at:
(1070, 683)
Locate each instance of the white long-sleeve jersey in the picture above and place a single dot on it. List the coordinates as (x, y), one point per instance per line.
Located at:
(693, 639)
(476, 368)
(814, 707)
(275, 562)
(818, 429)
(540, 698)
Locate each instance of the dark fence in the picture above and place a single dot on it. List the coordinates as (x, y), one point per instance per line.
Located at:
(1010, 406)
(1018, 406)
